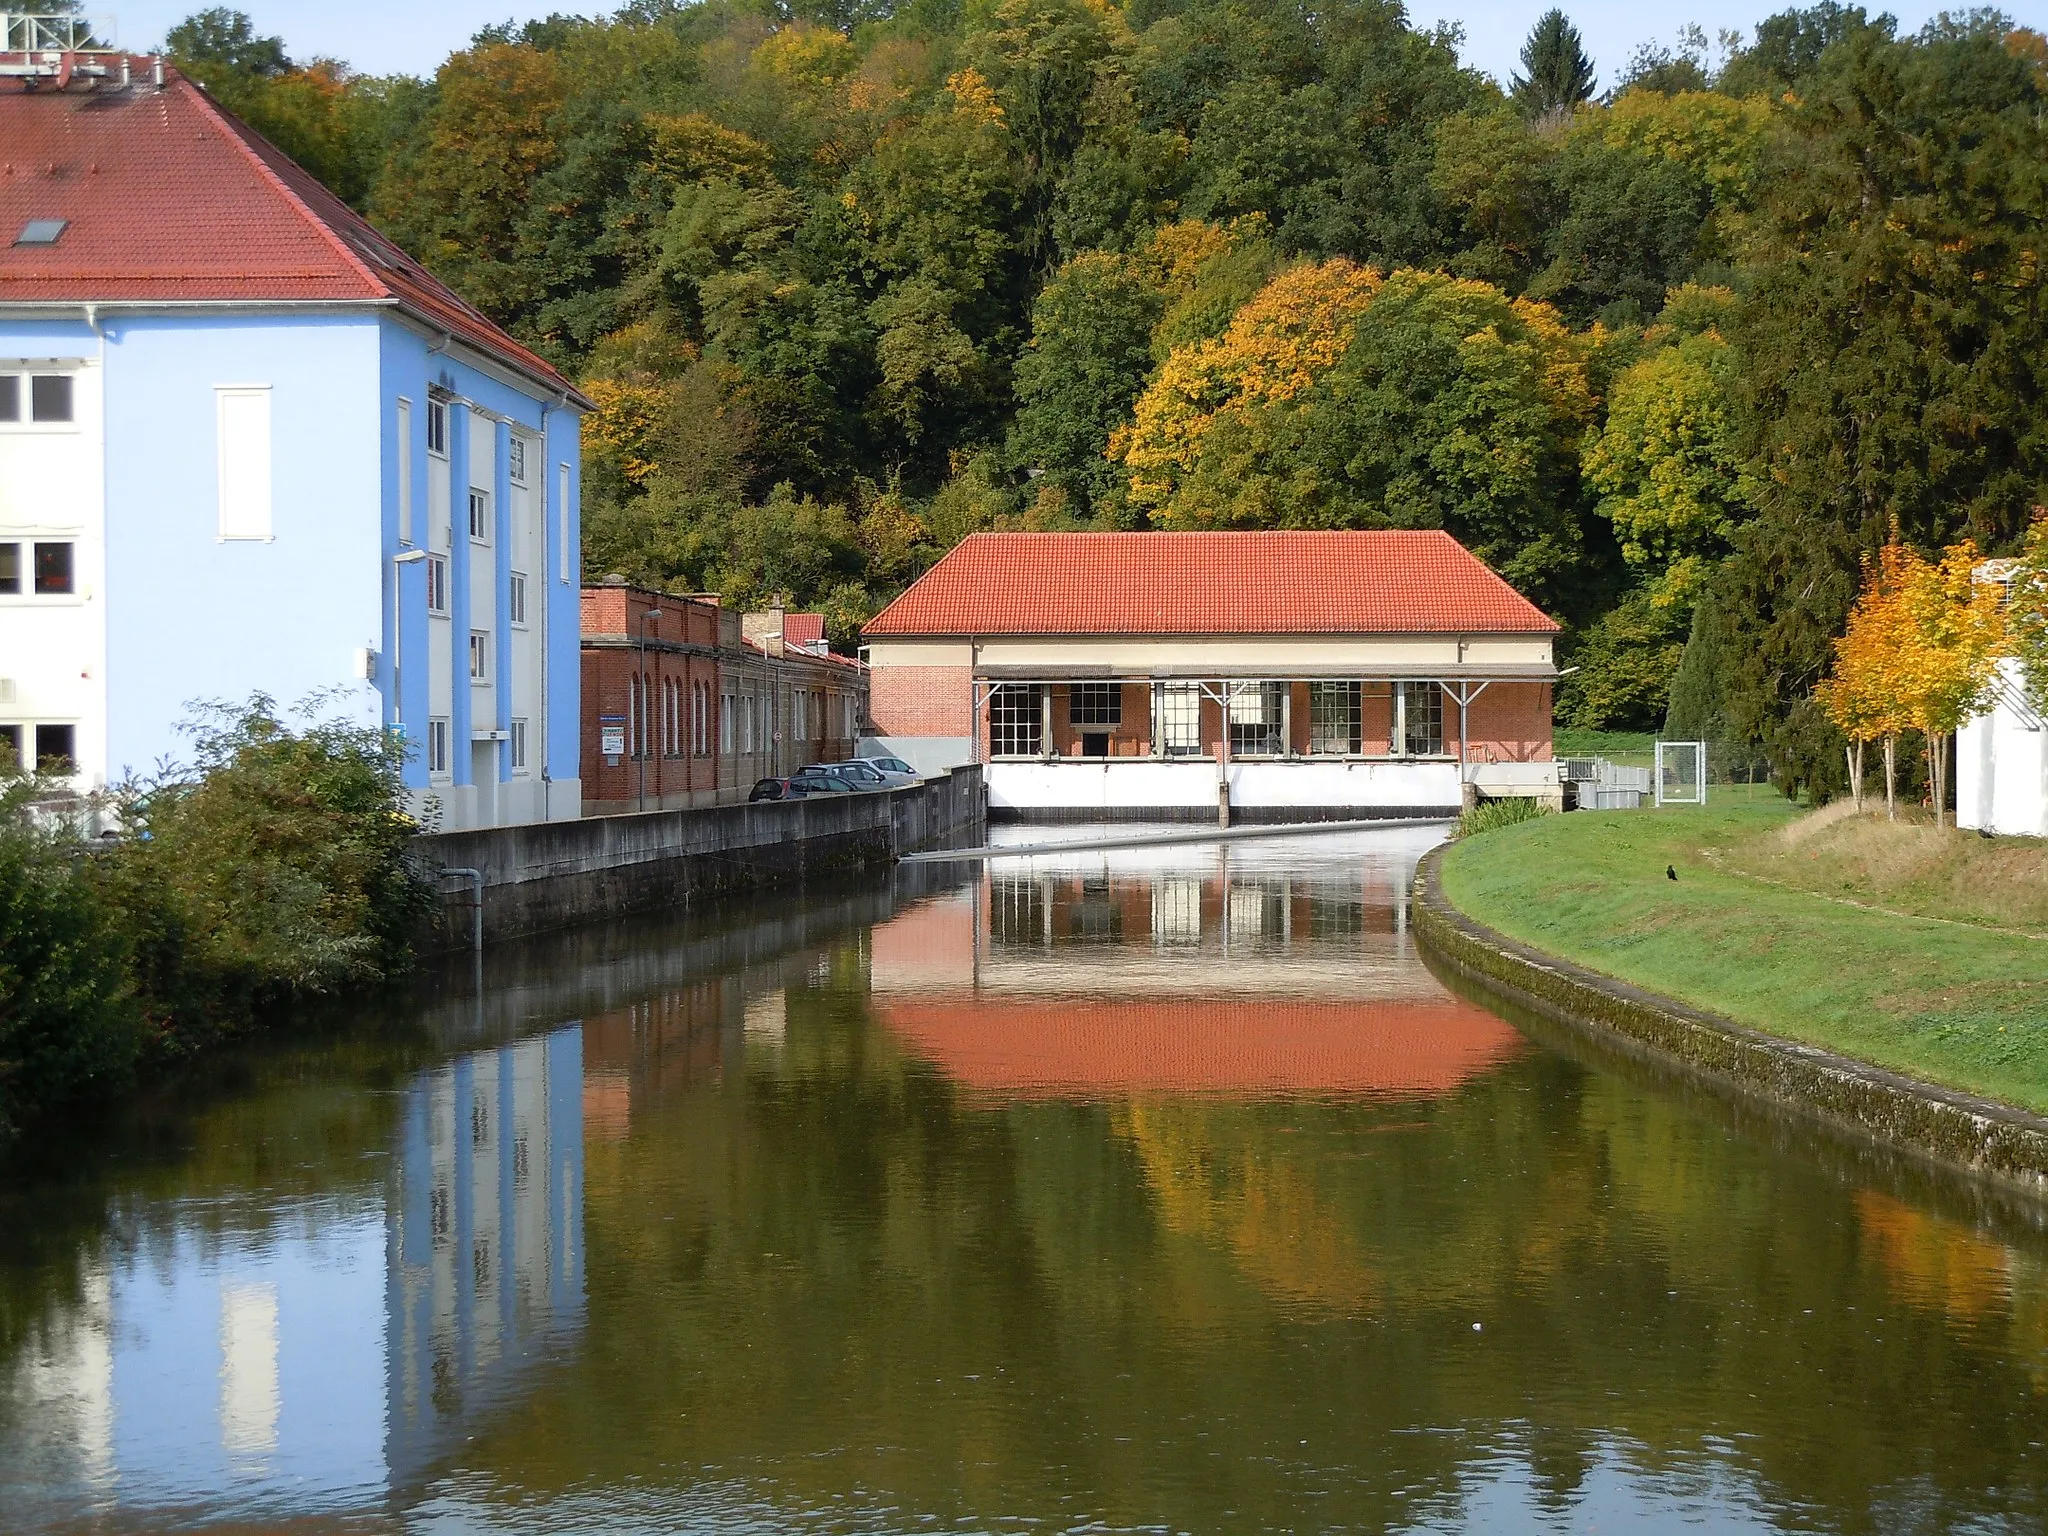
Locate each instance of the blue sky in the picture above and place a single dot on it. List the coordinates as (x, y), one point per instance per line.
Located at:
(384, 36)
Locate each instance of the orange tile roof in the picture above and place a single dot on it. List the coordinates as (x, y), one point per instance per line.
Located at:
(1277, 583)
(1092, 1048)
(169, 198)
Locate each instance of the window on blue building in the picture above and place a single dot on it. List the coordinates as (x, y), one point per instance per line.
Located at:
(480, 515)
(437, 428)
(437, 584)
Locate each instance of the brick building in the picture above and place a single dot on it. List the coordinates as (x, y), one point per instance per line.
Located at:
(1170, 676)
(687, 703)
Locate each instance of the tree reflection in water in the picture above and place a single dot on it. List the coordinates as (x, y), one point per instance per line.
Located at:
(1164, 1189)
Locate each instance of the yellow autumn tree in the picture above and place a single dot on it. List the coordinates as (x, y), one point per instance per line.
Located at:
(1957, 632)
(1863, 695)
(1277, 345)
(1918, 653)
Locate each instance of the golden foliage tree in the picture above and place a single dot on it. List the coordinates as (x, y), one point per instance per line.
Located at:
(1918, 653)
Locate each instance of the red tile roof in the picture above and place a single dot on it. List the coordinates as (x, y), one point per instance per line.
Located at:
(1280, 583)
(170, 198)
(1094, 1048)
(803, 629)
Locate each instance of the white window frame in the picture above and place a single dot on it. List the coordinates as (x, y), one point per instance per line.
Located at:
(437, 418)
(479, 657)
(479, 497)
(515, 745)
(515, 457)
(26, 409)
(437, 747)
(253, 522)
(404, 430)
(515, 599)
(562, 511)
(25, 563)
(437, 585)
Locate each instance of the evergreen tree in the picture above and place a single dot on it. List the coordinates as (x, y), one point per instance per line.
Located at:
(1560, 76)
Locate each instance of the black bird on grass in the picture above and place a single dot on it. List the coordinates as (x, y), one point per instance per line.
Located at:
(1670, 873)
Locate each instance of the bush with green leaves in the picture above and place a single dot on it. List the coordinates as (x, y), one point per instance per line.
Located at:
(275, 867)
(1489, 815)
(68, 1020)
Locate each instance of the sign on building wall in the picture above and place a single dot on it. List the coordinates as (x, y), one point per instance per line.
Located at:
(611, 738)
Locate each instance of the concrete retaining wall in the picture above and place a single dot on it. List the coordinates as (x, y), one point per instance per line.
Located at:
(552, 874)
(1990, 1139)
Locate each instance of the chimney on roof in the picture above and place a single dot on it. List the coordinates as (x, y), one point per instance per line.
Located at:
(765, 630)
(156, 71)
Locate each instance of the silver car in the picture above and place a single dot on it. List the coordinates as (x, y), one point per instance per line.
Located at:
(870, 773)
(893, 765)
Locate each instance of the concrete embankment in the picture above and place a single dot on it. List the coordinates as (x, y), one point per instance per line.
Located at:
(553, 874)
(1990, 1139)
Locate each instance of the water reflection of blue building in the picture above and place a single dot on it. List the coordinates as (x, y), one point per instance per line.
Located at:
(485, 1256)
(316, 1355)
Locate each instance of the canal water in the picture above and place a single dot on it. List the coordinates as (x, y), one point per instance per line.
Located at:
(1139, 1189)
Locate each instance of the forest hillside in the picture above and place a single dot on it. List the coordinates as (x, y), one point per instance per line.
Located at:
(1675, 352)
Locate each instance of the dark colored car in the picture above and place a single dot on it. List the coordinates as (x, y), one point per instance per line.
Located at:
(798, 786)
(820, 781)
(860, 775)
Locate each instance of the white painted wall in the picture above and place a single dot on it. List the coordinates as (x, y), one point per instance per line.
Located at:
(1146, 785)
(2002, 764)
(53, 649)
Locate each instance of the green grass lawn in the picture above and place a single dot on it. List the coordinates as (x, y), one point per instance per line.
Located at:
(1943, 1002)
(1629, 749)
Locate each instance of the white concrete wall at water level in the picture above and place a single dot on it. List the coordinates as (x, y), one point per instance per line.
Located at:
(1149, 785)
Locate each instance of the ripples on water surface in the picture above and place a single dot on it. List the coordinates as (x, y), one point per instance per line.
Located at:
(1147, 1189)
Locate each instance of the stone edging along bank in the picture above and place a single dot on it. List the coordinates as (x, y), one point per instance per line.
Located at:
(1990, 1139)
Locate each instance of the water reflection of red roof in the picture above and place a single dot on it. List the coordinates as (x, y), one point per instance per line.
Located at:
(1022, 1047)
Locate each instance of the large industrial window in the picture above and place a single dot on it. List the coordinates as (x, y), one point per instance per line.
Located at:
(1335, 718)
(1014, 720)
(1177, 719)
(1018, 911)
(1095, 704)
(243, 424)
(1419, 719)
(1255, 720)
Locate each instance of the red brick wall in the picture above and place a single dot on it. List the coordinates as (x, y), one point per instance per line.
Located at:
(921, 701)
(1510, 723)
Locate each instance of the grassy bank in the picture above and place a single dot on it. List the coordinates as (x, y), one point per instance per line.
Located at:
(1757, 927)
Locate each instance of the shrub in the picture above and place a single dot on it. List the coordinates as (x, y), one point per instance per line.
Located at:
(68, 1021)
(1490, 814)
(275, 868)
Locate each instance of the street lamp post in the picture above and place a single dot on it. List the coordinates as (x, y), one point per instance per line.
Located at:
(641, 723)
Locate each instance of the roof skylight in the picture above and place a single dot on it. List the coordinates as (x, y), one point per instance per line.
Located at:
(41, 231)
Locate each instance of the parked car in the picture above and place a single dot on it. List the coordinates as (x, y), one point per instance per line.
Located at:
(859, 775)
(817, 780)
(799, 785)
(873, 774)
(893, 765)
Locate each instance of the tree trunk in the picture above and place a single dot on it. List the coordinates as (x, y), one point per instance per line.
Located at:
(1856, 773)
(1891, 777)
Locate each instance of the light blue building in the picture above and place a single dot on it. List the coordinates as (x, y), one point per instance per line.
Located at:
(246, 444)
